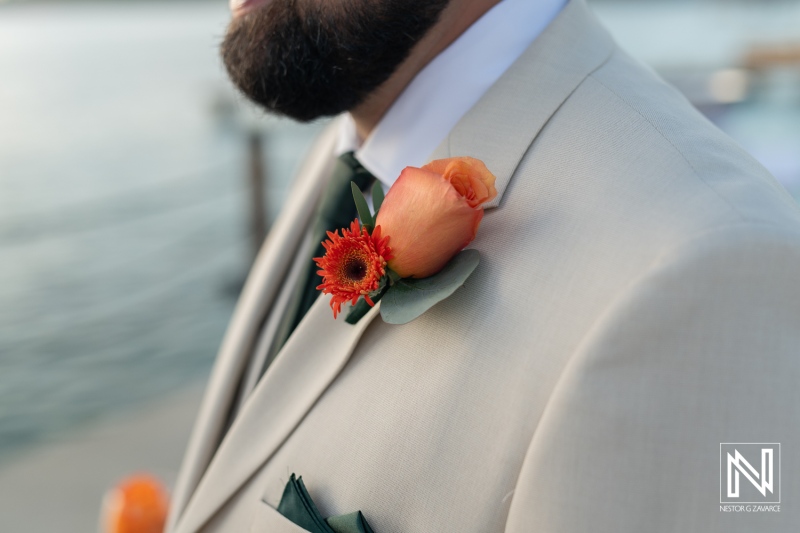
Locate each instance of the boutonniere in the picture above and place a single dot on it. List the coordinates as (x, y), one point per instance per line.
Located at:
(410, 251)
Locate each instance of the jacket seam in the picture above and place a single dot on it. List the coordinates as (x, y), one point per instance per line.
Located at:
(674, 147)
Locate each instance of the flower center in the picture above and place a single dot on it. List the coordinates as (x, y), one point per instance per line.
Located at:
(355, 268)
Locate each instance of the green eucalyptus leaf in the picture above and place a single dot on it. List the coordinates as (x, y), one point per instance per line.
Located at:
(393, 276)
(362, 207)
(377, 196)
(408, 298)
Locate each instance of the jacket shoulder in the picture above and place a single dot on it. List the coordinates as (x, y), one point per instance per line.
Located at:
(639, 132)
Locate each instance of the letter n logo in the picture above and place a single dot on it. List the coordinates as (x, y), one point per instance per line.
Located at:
(750, 472)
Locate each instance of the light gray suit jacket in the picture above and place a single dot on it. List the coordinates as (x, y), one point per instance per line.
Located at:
(637, 304)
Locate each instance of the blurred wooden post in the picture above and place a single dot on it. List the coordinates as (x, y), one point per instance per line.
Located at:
(256, 180)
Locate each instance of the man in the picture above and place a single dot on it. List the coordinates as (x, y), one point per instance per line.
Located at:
(637, 302)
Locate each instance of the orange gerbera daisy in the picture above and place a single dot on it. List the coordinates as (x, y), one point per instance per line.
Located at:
(353, 264)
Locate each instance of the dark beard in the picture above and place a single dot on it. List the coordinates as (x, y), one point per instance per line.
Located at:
(309, 59)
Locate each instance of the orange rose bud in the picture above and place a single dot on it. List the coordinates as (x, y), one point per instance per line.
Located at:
(139, 504)
(431, 213)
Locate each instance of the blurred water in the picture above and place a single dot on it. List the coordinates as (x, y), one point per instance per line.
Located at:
(122, 200)
(122, 206)
(693, 43)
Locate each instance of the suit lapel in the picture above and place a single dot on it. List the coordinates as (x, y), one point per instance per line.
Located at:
(505, 121)
(311, 359)
(263, 282)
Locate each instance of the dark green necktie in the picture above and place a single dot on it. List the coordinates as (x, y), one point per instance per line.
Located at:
(336, 210)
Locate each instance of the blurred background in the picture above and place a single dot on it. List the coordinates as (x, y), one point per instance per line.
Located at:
(135, 184)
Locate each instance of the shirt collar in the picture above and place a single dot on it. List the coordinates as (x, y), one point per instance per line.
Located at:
(442, 92)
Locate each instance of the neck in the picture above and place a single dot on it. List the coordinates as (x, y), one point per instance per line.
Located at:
(455, 19)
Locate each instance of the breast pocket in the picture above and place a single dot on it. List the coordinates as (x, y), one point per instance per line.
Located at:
(268, 520)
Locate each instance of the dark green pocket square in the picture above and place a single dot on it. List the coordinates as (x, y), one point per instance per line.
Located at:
(297, 506)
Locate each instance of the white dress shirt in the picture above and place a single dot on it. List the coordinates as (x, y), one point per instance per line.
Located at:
(443, 92)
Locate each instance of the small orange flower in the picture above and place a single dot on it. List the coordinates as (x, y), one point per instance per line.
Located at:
(139, 504)
(353, 264)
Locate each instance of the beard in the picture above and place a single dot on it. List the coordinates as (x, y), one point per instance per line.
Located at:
(307, 59)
